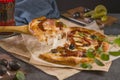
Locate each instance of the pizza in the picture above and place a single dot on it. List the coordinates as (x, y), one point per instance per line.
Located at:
(81, 45)
(43, 28)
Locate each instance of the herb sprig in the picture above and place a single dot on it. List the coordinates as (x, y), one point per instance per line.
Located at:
(117, 40)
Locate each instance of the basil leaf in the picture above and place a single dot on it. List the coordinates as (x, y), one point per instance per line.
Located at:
(81, 34)
(93, 37)
(99, 38)
(20, 75)
(98, 62)
(115, 53)
(100, 50)
(117, 41)
(105, 57)
(89, 53)
(86, 65)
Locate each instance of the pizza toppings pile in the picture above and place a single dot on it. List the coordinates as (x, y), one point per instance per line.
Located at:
(81, 46)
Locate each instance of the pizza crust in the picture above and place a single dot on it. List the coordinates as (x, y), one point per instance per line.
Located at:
(71, 61)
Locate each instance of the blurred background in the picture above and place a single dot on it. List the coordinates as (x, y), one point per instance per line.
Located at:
(113, 6)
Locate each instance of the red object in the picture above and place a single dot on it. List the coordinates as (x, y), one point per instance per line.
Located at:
(6, 1)
(7, 14)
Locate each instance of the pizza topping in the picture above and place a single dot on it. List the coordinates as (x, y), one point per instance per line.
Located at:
(93, 36)
(60, 25)
(54, 50)
(98, 62)
(90, 53)
(88, 41)
(105, 46)
(99, 50)
(81, 34)
(72, 53)
(104, 57)
(65, 51)
(49, 24)
(86, 65)
(72, 46)
(40, 24)
(85, 45)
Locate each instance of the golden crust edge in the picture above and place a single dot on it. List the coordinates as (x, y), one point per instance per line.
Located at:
(71, 61)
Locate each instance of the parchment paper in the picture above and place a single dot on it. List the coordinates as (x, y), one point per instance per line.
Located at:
(35, 49)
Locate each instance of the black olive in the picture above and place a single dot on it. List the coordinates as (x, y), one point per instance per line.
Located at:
(76, 15)
(86, 10)
(93, 36)
(54, 50)
(72, 46)
(3, 70)
(4, 62)
(14, 65)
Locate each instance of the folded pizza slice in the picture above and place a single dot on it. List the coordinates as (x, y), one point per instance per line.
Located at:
(44, 29)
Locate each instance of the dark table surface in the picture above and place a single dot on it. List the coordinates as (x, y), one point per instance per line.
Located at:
(113, 74)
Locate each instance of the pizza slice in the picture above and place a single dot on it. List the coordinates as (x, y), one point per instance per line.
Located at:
(82, 46)
(44, 29)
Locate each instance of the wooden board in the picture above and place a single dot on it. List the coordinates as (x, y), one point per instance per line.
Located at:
(69, 14)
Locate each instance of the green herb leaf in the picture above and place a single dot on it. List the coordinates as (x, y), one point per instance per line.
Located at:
(98, 38)
(81, 34)
(101, 39)
(89, 53)
(98, 62)
(86, 65)
(117, 41)
(20, 75)
(94, 37)
(100, 50)
(105, 57)
(115, 53)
